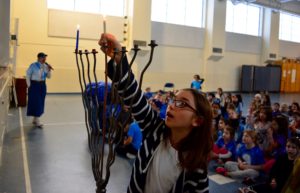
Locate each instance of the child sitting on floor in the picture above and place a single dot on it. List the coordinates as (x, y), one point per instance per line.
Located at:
(224, 148)
(221, 126)
(132, 141)
(250, 159)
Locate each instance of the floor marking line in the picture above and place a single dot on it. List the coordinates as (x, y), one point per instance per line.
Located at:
(24, 152)
(64, 123)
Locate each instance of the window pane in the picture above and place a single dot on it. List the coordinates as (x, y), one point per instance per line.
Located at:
(159, 10)
(182, 12)
(253, 17)
(243, 18)
(108, 7)
(176, 11)
(229, 17)
(61, 4)
(112, 7)
(90, 6)
(193, 17)
(289, 28)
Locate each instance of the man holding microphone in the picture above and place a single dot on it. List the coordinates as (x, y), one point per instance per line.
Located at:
(36, 82)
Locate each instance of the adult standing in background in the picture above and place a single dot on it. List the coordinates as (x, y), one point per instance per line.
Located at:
(36, 82)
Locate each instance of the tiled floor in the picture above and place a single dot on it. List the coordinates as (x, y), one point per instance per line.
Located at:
(58, 156)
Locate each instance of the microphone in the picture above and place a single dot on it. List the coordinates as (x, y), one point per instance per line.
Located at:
(50, 67)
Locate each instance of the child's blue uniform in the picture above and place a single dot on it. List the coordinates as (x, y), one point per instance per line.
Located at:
(136, 134)
(230, 146)
(197, 84)
(253, 156)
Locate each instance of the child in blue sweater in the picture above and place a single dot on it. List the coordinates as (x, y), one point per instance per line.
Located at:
(197, 82)
(224, 148)
(250, 158)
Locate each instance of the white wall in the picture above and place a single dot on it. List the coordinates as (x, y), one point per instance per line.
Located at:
(178, 57)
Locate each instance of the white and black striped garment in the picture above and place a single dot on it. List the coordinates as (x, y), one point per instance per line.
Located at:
(153, 128)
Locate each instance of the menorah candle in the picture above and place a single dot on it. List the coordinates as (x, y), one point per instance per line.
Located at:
(77, 37)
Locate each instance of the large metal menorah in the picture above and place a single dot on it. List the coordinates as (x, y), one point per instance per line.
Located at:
(102, 114)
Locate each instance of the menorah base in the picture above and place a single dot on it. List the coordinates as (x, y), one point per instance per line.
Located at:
(100, 190)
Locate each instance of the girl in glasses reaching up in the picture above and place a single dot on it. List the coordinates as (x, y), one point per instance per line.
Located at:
(174, 153)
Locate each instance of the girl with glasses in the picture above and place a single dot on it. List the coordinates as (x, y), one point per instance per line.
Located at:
(174, 153)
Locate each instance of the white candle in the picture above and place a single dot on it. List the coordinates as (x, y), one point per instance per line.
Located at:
(104, 23)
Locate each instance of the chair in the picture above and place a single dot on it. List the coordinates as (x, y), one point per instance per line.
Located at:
(169, 86)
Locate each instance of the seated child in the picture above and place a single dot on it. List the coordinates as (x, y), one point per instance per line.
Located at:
(276, 109)
(250, 159)
(295, 124)
(263, 128)
(221, 126)
(132, 141)
(148, 94)
(224, 148)
(279, 130)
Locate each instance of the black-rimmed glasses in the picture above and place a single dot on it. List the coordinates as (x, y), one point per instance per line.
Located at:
(181, 104)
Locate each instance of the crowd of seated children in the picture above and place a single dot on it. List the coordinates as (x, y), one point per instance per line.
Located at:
(260, 135)
(248, 145)
(159, 100)
(281, 172)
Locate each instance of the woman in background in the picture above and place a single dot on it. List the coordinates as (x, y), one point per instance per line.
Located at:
(36, 82)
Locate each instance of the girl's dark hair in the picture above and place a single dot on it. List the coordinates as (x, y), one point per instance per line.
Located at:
(197, 76)
(283, 125)
(194, 150)
(240, 98)
(297, 105)
(268, 111)
(266, 100)
(231, 131)
(294, 140)
(224, 120)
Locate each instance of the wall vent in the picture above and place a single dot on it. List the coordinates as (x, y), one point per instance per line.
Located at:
(140, 43)
(272, 55)
(217, 50)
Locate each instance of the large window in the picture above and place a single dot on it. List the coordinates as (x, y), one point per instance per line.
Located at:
(243, 18)
(107, 7)
(181, 12)
(289, 29)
